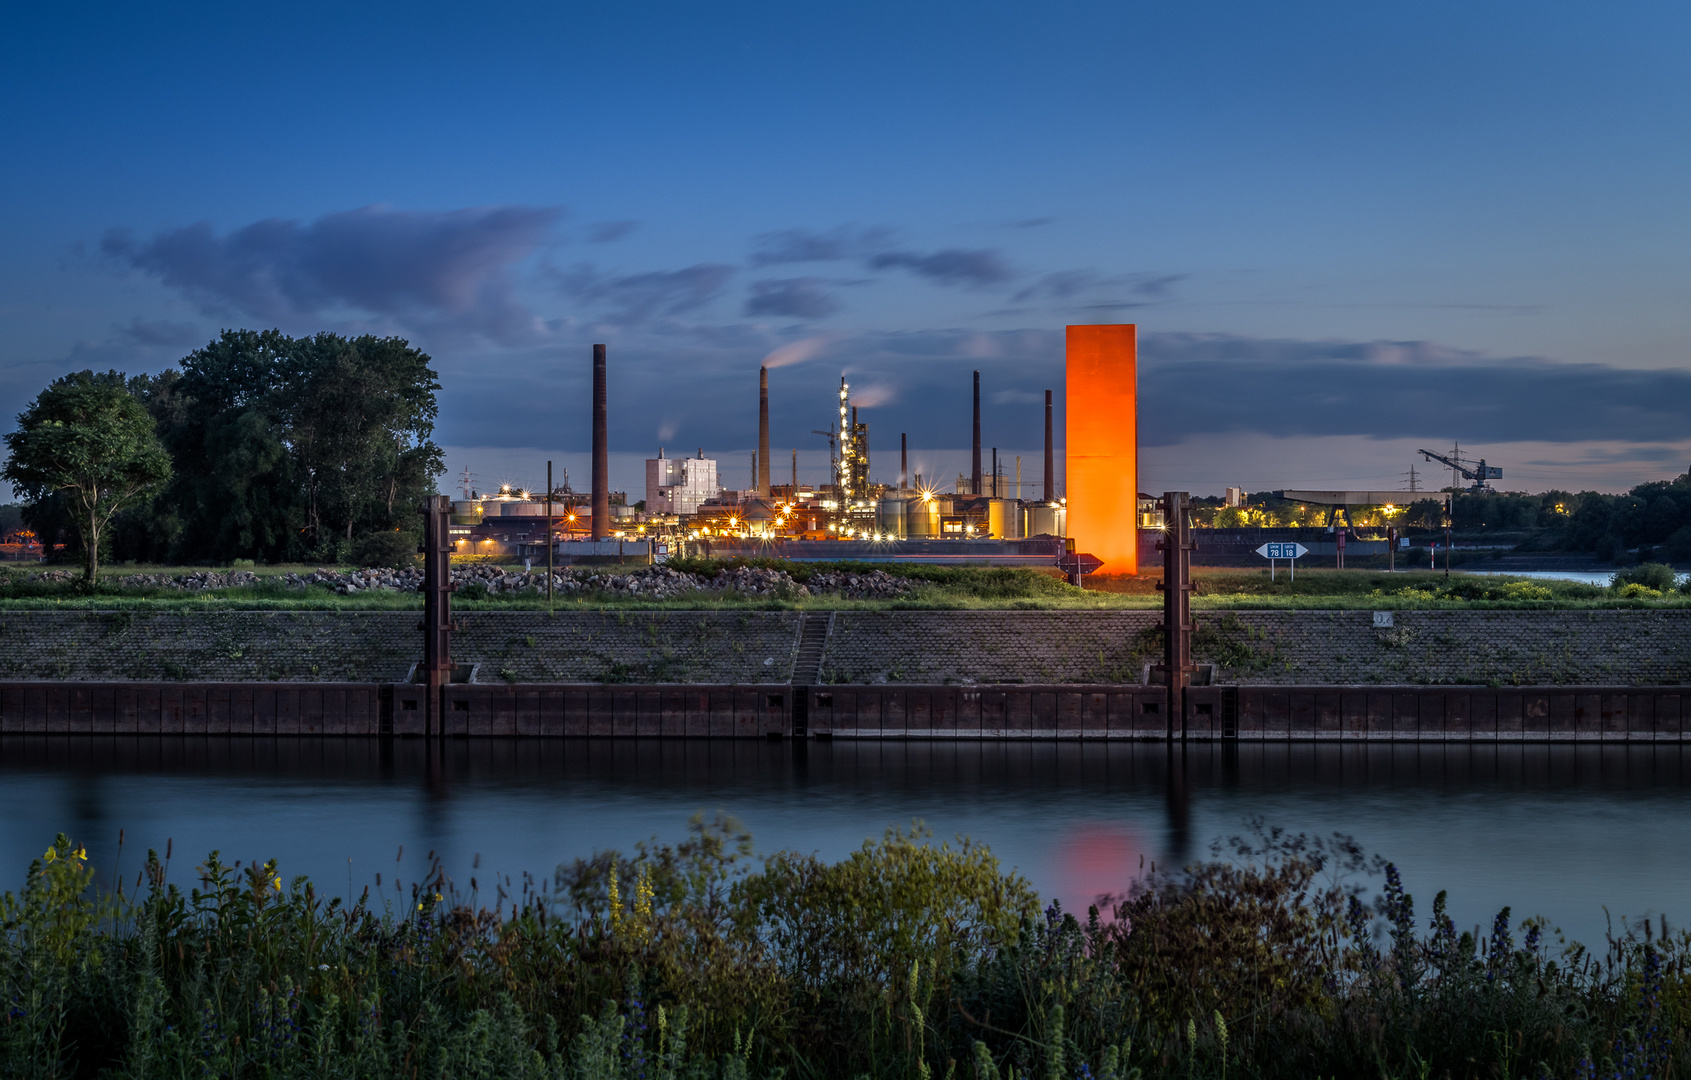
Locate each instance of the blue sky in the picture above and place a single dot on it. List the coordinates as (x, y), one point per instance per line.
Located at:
(1345, 230)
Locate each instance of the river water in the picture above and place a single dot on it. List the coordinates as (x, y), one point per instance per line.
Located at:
(1554, 830)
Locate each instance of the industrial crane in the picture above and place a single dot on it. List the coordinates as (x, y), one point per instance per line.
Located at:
(1477, 471)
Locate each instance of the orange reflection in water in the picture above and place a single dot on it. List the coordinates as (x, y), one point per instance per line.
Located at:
(1094, 860)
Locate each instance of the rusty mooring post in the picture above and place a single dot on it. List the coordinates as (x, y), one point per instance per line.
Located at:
(1176, 585)
(437, 611)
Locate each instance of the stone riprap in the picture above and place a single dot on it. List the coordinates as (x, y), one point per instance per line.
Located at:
(1279, 647)
(865, 647)
(381, 646)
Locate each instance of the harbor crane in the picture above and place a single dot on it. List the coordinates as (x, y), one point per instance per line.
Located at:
(1477, 471)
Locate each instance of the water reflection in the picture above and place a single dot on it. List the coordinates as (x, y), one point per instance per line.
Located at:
(1560, 830)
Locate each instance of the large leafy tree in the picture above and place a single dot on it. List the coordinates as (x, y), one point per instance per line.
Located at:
(360, 430)
(294, 448)
(87, 440)
(236, 490)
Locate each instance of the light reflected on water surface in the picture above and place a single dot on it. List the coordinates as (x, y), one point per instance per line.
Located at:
(1557, 830)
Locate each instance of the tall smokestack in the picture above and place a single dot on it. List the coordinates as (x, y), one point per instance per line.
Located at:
(601, 450)
(1050, 458)
(763, 432)
(975, 461)
(903, 461)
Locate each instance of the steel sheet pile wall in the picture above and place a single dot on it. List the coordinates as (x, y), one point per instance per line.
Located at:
(190, 708)
(1251, 714)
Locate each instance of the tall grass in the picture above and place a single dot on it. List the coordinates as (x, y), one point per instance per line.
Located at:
(907, 959)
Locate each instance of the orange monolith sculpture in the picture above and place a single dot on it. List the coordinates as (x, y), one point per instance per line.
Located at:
(1102, 451)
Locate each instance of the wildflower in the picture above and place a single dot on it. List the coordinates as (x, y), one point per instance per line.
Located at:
(278, 883)
(51, 855)
(1502, 944)
(615, 898)
(643, 893)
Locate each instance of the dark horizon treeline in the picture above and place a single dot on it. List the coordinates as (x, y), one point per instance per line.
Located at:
(283, 449)
(1652, 519)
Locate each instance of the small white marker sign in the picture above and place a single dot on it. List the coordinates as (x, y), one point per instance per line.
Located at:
(1291, 552)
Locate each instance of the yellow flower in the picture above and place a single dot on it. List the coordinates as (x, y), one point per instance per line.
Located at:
(615, 899)
(82, 853)
(278, 883)
(437, 898)
(50, 856)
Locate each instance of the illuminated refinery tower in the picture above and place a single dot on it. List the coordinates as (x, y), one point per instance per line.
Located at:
(854, 449)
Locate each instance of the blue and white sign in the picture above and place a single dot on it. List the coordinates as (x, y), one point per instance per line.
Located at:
(1283, 551)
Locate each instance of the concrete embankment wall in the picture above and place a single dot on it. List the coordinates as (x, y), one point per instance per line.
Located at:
(1638, 647)
(1629, 715)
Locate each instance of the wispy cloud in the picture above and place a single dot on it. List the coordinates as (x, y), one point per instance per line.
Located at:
(799, 298)
(1398, 389)
(832, 245)
(161, 333)
(448, 269)
(633, 299)
(1095, 289)
(606, 231)
(952, 266)
(877, 249)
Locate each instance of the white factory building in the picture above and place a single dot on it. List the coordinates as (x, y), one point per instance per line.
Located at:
(679, 485)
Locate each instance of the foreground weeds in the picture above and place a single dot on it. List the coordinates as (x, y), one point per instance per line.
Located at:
(907, 959)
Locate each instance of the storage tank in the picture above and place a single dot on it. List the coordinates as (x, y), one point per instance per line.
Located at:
(1045, 520)
(921, 517)
(522, 509)
(1003, 519)
(889, 518)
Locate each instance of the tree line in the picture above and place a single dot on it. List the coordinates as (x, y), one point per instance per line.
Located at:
(1651, 521)
(258, 446)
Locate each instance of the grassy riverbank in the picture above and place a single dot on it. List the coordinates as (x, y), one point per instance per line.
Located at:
(925, 588)
(907, 959)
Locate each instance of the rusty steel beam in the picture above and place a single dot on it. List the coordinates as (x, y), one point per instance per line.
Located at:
(437, 609)
(1176, 586)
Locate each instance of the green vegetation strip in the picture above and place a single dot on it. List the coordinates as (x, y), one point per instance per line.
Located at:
(907, 959)
(1649, 586)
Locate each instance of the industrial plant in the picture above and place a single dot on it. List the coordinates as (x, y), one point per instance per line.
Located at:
(991, 514)
(997, 512)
